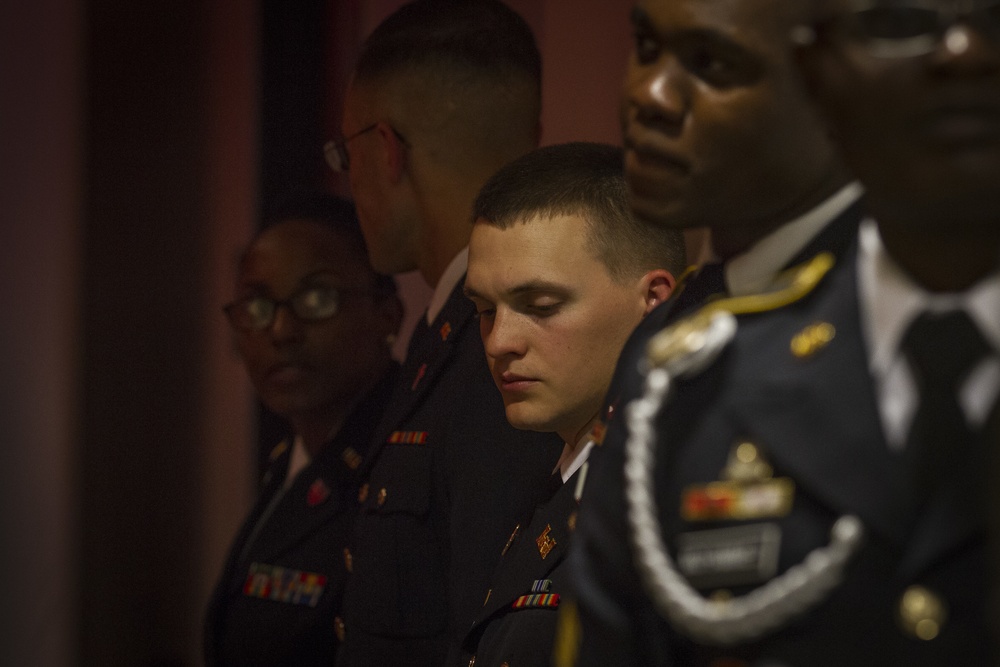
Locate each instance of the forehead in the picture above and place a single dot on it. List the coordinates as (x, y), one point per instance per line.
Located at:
(292, 249)
(545, 249)
(741, 21)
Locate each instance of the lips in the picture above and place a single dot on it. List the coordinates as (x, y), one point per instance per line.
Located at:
(509, 382)
(650, 162)
(962, 126)
(285, 374)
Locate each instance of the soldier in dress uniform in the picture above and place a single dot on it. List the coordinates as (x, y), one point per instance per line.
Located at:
(560, 273)
(803, 480)
(314, 326)
(443, 95)
(719, 132)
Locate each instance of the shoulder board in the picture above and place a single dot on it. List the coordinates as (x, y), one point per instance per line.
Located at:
(278, 450)
(691, 335)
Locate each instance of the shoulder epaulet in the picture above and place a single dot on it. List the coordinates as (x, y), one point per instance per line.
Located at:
(278, 450)
(707, 327)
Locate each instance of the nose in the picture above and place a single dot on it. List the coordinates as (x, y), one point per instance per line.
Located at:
(286, 327)
(501, 335)
(657, 94)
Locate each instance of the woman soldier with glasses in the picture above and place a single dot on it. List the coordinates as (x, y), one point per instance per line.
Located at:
(314, 325)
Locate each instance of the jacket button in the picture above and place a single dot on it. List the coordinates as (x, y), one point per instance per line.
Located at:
(338, 627)
(382, 493)
(922, 613)
(348, 560)
(363, 493)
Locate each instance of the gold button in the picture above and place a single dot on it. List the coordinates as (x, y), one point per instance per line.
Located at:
(348, 560)
(746, 452)
(382, 493)
(472, 661)
(922, 614)
(338, 628)
(363, 493)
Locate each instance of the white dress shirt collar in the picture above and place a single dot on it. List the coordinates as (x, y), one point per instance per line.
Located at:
(889, 302)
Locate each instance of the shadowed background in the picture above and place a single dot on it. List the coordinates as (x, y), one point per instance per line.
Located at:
(139, 144)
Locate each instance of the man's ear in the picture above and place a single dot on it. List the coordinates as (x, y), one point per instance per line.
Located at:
(394, 149)
(657, 286)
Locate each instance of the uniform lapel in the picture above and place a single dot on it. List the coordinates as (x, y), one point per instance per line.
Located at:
(523, 563)
(824, 430)
(427, 356)
(326, 486)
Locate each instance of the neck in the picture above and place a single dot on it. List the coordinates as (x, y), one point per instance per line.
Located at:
(445, 207)
(317, 432)
(575, 437)
(731, 240)
(941, 258)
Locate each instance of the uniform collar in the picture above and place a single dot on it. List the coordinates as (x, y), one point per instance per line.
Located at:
(752, 271)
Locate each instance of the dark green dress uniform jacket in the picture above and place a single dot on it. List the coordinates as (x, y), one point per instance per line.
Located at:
(277, 598)
(447, 478)
(911, 592)
(517, 623)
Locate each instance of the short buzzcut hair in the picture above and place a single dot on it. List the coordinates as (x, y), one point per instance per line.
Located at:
(462, 77)
(482, 35)
(585, 179)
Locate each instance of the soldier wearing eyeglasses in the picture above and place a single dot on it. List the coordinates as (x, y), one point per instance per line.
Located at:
(313, 324)
(808, 476)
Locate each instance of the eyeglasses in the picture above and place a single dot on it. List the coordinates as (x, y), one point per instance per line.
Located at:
(309, 304)
(335, 151)
(906, 29)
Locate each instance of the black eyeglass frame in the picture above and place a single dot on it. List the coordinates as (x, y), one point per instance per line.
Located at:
(983, 17)
(335, 150)
(233, 312)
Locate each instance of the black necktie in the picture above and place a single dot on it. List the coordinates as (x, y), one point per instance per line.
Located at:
(942, 350)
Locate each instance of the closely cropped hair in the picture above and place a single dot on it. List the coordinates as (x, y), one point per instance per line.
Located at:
(583, 179)
(483, 35)
(334, 213)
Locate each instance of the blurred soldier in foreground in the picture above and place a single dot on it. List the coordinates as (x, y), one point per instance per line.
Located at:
(807, 466)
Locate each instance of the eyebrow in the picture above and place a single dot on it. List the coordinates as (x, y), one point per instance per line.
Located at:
(529, 287)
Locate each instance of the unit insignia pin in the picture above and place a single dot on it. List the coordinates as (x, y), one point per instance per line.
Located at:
(419, 376)
(544, 542)
(318, 493)
(812, 339)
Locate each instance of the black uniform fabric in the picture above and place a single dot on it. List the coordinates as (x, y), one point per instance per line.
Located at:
(269, 608)
(815, 419)
(523, 635)
(448, 478)
(836, 237)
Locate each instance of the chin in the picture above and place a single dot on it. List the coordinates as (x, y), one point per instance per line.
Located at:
(525, 420)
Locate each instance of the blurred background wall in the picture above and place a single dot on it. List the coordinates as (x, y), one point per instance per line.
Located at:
(139, 143)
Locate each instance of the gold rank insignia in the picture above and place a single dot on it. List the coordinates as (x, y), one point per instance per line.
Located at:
(544, 542)
(747, 491)
(689, 336)
(351, 458)
(812, 339)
